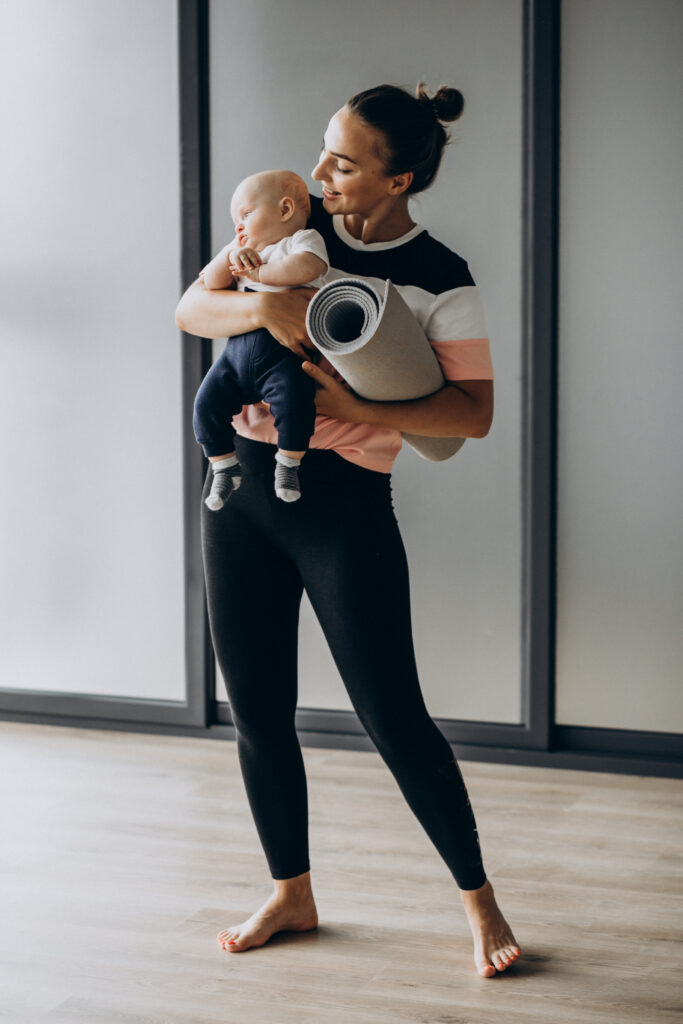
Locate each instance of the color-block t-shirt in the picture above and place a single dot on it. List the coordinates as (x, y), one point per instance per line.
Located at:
(437, 286)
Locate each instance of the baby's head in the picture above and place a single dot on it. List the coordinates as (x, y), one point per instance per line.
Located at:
(267, 207)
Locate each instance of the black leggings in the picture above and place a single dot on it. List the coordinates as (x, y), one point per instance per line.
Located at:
(341, 543)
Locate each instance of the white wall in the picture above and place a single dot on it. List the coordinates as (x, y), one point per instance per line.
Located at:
(91, 575)
(278, 73)
(620, 558)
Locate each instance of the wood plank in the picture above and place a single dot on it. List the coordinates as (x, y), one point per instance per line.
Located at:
(124, 854)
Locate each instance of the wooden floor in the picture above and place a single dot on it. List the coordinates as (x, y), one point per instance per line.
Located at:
(122, 855)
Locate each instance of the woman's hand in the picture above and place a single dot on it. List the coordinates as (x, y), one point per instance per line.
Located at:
(334, 397)
(284, 315)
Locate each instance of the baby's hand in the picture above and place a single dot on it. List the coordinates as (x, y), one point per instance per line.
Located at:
(251, 275)
(243, 261)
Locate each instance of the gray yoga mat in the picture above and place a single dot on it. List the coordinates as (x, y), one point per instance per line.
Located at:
(378, 347)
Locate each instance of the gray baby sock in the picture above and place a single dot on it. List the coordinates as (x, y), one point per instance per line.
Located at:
(227, 476)
(287, 477)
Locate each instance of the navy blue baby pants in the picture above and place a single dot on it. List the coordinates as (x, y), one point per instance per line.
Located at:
(254, 367)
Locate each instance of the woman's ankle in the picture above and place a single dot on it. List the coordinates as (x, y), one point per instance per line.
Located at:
(293, 888)
(484, 892)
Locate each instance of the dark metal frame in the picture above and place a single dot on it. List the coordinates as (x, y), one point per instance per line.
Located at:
(537, 740)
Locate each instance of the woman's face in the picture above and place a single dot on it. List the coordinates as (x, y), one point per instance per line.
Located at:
(351, 172)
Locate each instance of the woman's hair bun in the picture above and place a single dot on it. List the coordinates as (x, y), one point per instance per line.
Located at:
(446, 103)
(410, 124)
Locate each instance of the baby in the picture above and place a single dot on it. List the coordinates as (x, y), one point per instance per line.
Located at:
(272, 250)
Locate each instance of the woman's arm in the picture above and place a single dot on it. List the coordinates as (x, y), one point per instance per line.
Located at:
(217, 314)
(221, 314)
(464, 409)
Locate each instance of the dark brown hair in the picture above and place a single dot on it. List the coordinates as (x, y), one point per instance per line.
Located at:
(411, 126)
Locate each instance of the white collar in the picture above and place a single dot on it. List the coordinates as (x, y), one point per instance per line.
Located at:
(357, 243)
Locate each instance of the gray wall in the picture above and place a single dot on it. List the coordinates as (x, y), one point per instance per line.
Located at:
(91, 574)
(620, 558)
(278, 73)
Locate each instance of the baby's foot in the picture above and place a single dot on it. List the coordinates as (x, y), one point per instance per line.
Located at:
(227, 476)
(495, 948)
(276, 915)
(287, 478)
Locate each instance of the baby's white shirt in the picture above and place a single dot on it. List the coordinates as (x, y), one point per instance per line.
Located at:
(304, 240)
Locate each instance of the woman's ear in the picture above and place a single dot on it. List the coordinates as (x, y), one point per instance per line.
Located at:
(287, 207)
(400, 182)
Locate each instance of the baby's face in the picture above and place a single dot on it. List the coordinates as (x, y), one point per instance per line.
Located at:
(256, 214)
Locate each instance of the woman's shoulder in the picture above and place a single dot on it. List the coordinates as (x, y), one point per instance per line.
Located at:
(426, 263)
(442, 267)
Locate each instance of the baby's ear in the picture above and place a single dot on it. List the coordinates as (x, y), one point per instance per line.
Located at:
(287, 207)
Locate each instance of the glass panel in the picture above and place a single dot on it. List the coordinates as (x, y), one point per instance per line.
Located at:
(276, 79)
(92, 558)
(620, 556)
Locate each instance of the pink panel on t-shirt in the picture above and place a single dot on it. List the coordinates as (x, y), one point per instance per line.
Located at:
(464, 360)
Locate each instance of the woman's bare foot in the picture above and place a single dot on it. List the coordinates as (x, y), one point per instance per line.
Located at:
(291, 908)
(494, 944)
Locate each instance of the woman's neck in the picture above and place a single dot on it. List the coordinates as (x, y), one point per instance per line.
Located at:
(384, 223)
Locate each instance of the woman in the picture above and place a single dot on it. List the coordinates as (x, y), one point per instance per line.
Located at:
(341, 544)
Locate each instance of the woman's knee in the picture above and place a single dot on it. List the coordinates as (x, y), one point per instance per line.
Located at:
(406, 735)
(261, 704)
(260, 728)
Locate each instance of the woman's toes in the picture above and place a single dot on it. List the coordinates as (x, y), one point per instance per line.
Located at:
(499, 962)
(485, 969)
(226, 936)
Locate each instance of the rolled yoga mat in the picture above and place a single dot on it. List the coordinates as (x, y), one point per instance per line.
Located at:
(378, 347)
